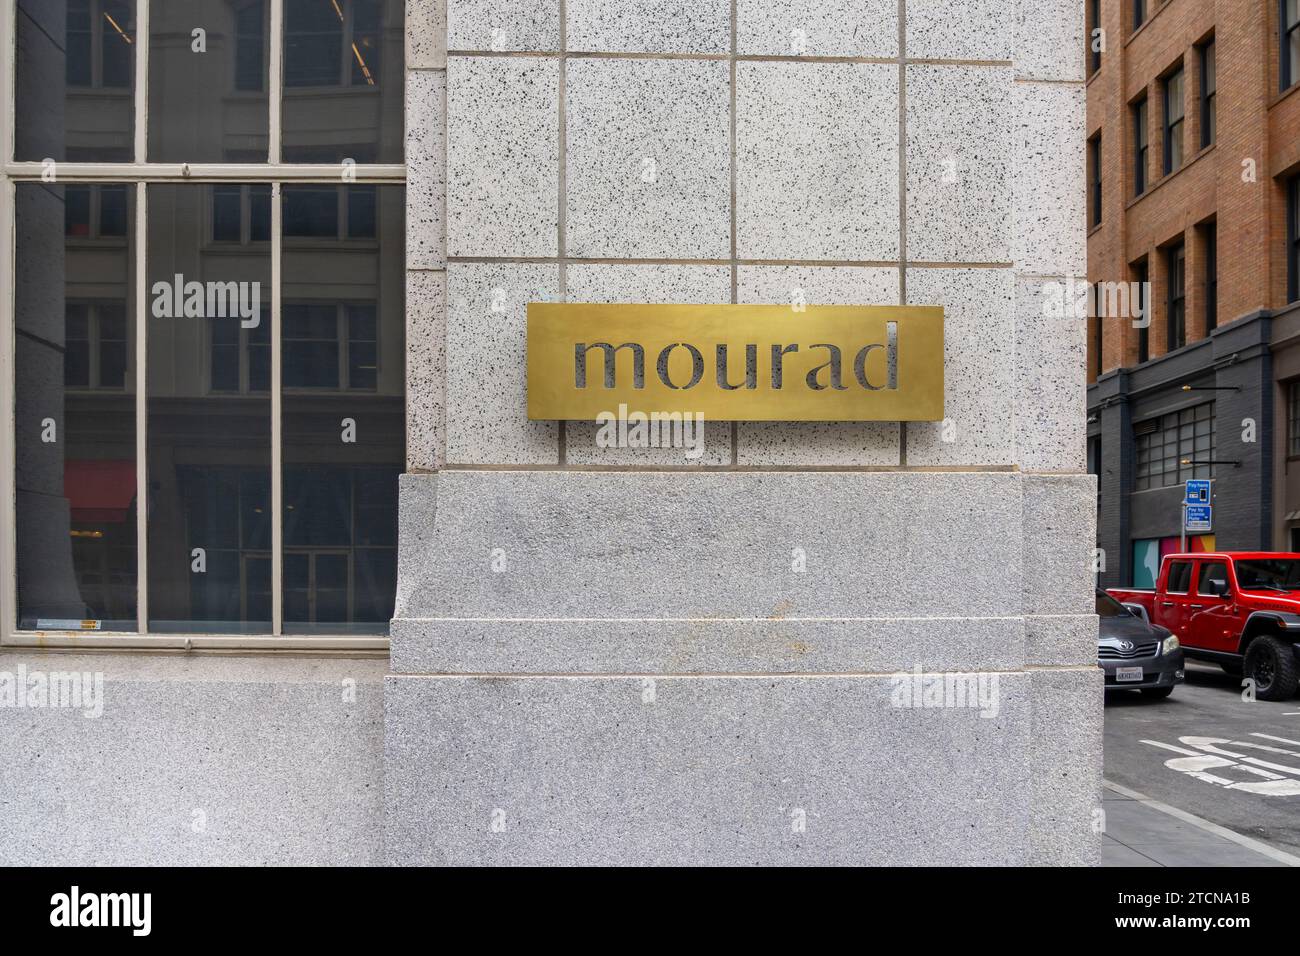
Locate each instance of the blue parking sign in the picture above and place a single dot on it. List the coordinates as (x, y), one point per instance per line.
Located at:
(1199, 518)
(1197, 492)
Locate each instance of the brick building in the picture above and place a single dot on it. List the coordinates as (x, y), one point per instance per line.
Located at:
(1194, 194)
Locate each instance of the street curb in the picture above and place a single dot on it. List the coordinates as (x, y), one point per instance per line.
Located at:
(1248, 842)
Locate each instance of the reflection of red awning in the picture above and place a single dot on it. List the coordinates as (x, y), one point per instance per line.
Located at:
(99, 490)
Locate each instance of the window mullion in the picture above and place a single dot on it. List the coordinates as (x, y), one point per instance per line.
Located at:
(141, 409)
(141, 80)
(275, 80)
(277, 470)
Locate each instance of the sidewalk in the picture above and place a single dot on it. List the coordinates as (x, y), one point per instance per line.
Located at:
(1144, 832)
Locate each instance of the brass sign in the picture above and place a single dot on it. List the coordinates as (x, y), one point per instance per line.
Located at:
(757, 363)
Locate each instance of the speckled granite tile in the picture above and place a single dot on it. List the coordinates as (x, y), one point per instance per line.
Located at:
(426, 34)
(1051, 391)
(817, 161)
(867, 28)
(959, 163)
(1049, 40)
(426, 169)
(503, 25)
(502, 156)
(970, 30)
(817, 443)
(664, 26)
(1049, 193)
(487, 402)
(426, 370)
(648, 159)
(979, 361)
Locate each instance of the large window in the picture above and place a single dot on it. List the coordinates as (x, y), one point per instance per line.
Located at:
(1293, 239)
(1176, 292)
(1094, 36)
(209, 365)
(1289, 61)
(1142, 276)
(1211, 277)
(1164, 443)
(1209, 92)
(1140, 147)
(1293, 419)
(1094, 181)
(1173, 107)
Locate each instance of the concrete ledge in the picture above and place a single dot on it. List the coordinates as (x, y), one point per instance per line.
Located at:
(196, 760)
(747, 545)
(700, 770)
(657, 646)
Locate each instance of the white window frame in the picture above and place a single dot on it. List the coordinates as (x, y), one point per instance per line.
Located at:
(141, 173)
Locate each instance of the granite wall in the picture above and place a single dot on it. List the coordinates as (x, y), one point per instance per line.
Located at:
(621, 655)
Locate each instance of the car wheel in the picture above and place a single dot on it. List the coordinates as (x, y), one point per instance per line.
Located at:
(1157, 693)
(1271, 664)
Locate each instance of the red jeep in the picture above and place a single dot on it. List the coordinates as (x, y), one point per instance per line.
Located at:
(1239, 609)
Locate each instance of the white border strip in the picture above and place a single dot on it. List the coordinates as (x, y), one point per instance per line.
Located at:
(141, 409)
(8, 452)
(1249, 843)
(275, 81)
(141, 80)
(277, 429)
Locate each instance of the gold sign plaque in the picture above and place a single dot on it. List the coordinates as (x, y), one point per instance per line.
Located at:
(754, 363)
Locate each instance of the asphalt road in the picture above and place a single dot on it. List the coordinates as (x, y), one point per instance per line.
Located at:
(1243, 785)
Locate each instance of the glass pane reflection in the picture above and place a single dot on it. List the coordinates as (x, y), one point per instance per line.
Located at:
(75, 407)
(209, 416)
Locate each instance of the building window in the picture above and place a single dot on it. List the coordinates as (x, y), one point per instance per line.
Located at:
(1142, 276)
(1164, 443)
(250, 47)
(1290, 35)
(1098, 337)
(241, 213)
(1211, 277)
(228, 381)
(1293, 239)
(1176, 286)
(94, 212)
(1094, 181)
(1293, 419)
(331, 44)
(1094, 36)
(1209, 88)
(329, 212)
(1173, 107)
(100, 43)
(1140, 147)
(94, 355)
(1139, 13)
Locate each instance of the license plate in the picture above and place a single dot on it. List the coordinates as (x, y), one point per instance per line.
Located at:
(1128, 674)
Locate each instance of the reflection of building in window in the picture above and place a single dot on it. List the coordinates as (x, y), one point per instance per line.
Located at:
(100, 43)
(329, 345)
(94, 212)
(241, 213)
(331, 42)
(94, 355)
(228, 515)
(340, 538)
(1162, 444)
(250, 47)
(329, 212)
(241, 358)
(101, 500)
